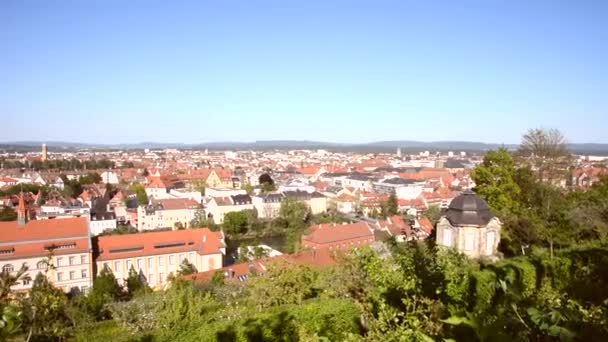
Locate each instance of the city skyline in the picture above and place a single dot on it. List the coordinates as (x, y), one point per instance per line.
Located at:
(340, 71)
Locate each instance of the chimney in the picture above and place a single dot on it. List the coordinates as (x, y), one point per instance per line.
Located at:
(21, 211)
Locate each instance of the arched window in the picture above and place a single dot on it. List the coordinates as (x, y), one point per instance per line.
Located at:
(42, 265)
(8, 268)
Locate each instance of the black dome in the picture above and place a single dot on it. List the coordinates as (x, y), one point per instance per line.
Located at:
(468, 209)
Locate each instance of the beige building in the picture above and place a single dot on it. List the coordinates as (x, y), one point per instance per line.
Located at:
(218, 207)
(470, 227)
(65, 244)
(166, 213)
(156, 255)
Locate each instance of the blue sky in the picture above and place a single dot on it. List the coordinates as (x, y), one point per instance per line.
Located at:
(331, 70)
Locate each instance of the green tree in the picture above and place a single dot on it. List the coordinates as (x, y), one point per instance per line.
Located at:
(391, 207)
(247, 187)
(7, 213)
(294, 213)
(45, 311)
(186, 267)
(283, 283)
(494, 181)
(140, 192)
(136, 283)
(104, 291)
(10, 279)
(433, 213)
(546, 151)
(199, 185)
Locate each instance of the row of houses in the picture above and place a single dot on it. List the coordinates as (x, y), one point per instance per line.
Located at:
(67, 253)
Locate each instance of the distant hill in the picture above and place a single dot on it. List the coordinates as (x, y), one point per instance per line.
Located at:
(407, 146)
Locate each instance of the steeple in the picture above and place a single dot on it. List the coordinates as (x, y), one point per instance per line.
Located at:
(21, 211)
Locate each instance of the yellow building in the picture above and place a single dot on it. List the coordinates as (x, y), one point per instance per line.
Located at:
(157, 255)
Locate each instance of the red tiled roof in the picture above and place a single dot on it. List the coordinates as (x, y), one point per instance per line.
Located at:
(203, 241)
(320, 257)
(425, 225)
(176, 203)
(329, 233)
(396, 225)
(35, 238)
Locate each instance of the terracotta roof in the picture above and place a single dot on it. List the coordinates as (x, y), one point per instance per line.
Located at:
(329, 233)
(240, 272)
(203, 241)
(396, 225)
(36, 237)
(425, 225)
(176, 203)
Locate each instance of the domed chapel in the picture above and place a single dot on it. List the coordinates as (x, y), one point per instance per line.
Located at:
(469, 226)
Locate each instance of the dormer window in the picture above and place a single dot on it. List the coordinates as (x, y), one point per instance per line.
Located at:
(8, 268)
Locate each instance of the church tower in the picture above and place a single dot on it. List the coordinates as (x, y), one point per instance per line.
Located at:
(21, 211)
(44, 152)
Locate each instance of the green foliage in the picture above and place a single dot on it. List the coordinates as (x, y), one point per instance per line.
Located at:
(247, 187)
(283, 283)
(136, 283)
(494, 180)
(45, 310)
(7, 213)
(140, 192)
(104, 291)
(186, 267)
(390, 207)
(433, 213)
(240, 222)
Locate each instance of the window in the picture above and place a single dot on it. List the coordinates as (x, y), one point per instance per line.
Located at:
(59, 276)
(116, 266)
(151, 278)
(8, 268)
(161, 278)
(447, 237)
(161, 261)
(72, 260)
(106, 265)
(191, 257)
(181, 258)
(26, 281)
(490, 243)
(84, 289)
(469, 241)
(171, 259)
(42, 265)
(83, 259)
(140, 264)
(129, 265)
(72, 275)
(59, 261)
(83, 273)
(150, 261)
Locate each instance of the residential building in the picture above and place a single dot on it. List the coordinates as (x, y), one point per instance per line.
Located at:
(218, 207)
(65, 244)
(166, 213)
(338, 236)
(157, 255)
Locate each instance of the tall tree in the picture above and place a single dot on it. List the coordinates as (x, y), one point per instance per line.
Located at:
(546, 150)
(494, 180)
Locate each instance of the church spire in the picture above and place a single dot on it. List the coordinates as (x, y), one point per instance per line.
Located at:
(21, 211)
